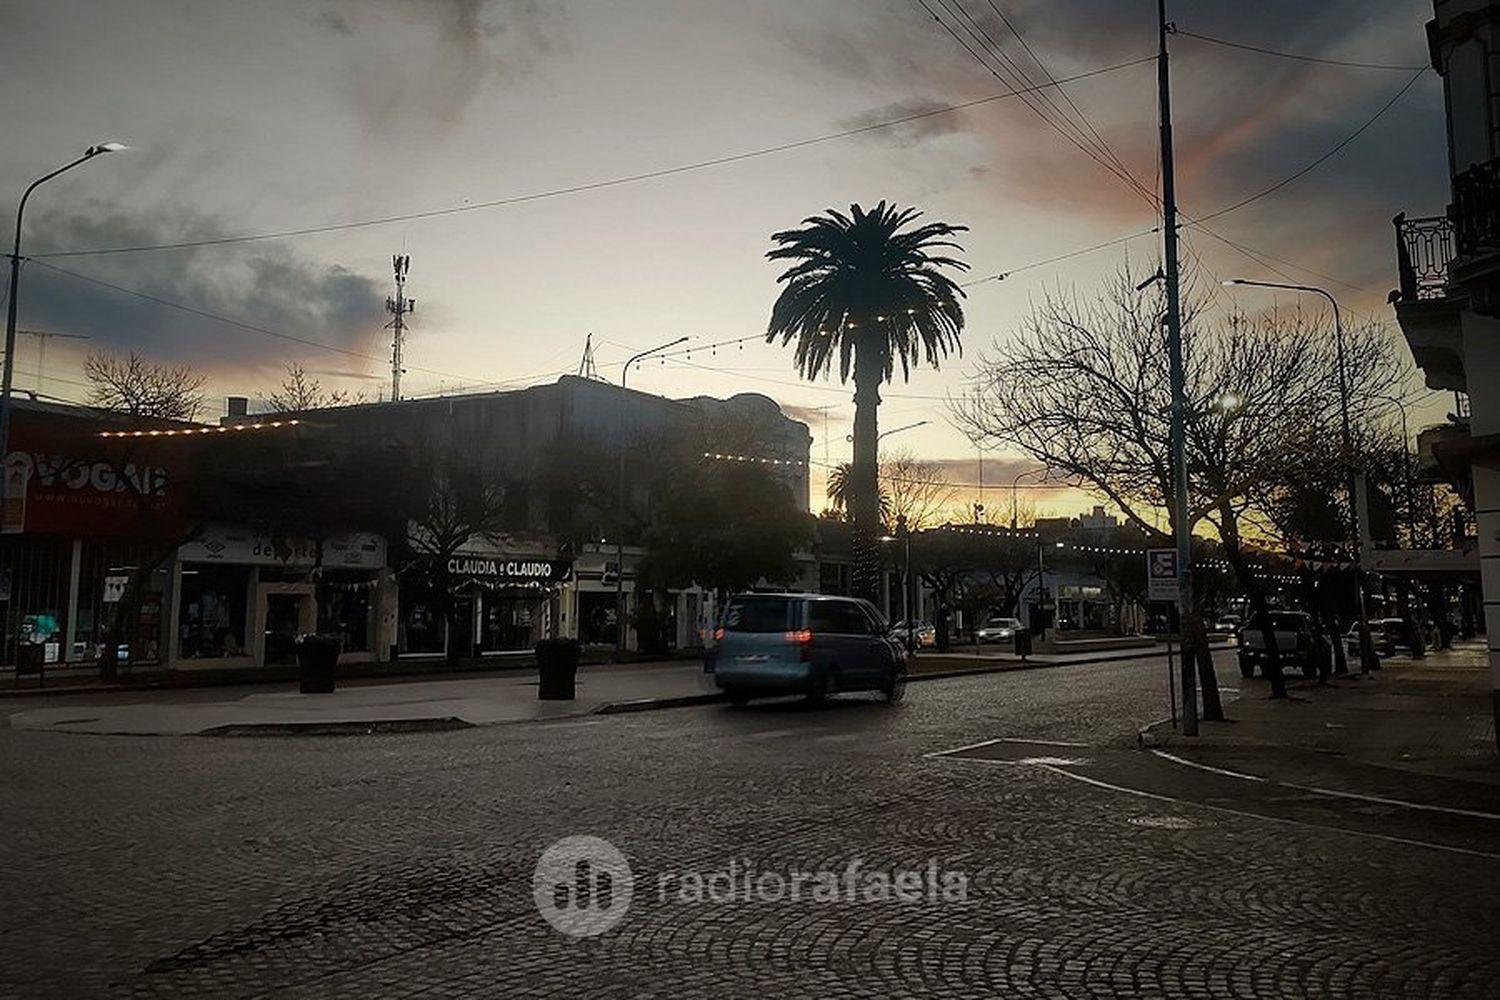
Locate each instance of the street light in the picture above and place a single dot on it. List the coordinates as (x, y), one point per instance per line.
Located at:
(15, 292)
(903, 533)
(1367, 660)
(1015, 485)
(620, 507)
(894, 430)
(1041, 580)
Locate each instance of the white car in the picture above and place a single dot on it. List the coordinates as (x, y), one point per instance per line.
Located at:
(999, 630)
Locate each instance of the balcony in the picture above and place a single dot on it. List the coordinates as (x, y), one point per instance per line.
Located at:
(1475, 212)
(1429, 303)
(1424, 249)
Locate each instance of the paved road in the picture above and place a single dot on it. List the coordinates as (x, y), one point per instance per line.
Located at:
(402, 865)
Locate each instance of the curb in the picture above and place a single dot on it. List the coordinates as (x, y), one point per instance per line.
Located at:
(651, 704)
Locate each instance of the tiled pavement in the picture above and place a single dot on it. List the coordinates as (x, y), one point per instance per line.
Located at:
(401, 865)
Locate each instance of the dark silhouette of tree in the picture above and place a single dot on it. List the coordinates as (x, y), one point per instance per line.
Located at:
(1082, 389)
(868, 293)
(300, 391)
(141, 388)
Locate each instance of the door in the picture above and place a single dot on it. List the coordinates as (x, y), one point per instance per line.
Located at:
(283, 623)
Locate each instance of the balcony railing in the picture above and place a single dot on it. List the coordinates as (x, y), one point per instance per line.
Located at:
(1476, 209)
(1424, 249)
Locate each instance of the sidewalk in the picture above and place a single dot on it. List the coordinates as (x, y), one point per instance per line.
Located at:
(362, 707)
(1433, 716)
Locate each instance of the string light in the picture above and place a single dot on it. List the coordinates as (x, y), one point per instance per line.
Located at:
(190, 431)
(719, 456)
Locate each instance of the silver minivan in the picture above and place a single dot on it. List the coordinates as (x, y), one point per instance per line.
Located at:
(810, 644)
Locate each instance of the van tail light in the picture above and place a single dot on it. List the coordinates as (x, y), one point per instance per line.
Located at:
(803, 638)
(719, 634)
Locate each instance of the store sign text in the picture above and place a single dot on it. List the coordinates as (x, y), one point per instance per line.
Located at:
(509, 569)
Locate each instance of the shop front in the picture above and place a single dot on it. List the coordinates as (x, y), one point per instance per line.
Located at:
(243, 596)
(481, 603)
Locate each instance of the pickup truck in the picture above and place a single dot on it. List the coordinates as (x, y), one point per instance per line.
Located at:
(1292, 631)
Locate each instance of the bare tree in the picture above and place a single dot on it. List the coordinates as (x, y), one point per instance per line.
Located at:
(914, 489)
(142, 388)
(1083, 389)
(300, 391)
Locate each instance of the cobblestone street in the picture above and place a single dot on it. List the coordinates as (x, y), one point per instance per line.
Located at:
(401, 865)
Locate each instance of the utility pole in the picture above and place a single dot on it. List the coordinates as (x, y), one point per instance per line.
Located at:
(398, 307)
(1181, 529)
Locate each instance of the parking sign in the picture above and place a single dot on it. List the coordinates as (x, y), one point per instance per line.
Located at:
(1162, 579)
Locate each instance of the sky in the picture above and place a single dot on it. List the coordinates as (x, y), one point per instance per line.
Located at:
(295, 114)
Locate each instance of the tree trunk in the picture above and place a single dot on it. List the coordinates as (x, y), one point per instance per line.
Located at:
(864, 500)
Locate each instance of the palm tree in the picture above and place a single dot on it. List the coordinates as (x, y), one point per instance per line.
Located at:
(869, 294)
(840, 478)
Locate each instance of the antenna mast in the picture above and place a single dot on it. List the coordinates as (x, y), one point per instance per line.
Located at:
(398, 307)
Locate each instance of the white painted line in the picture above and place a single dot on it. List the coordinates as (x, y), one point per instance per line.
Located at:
(1300, 824)
(1274, 819)
(1042, 743)
(1335, 792)
(971, 746)
(1204, 767)
(1005, 739)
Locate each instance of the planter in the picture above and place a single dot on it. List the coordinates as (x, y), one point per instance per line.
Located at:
(317, 657)
(557, 669)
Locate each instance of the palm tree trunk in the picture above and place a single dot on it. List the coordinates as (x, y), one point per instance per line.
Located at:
(865, 488)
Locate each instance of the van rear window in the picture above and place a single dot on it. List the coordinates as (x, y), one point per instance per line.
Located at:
(758, 614)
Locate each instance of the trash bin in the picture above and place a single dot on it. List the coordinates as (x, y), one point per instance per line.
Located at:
(1023, 642)
(557, 669)
(317, 657)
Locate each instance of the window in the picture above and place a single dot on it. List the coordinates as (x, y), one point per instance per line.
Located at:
(758, 614)
(837, 618)
(212, 620)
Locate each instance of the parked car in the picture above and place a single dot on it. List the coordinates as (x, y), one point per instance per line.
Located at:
(1385, 633)
(999, 630)
(810, 644)
(1293, 633)
(924, 636)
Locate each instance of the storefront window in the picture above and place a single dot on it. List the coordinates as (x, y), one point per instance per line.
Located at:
(510, 623)
(344, 609)
(420, 629)
(212, 620)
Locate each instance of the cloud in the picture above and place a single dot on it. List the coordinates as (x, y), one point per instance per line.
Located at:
(422, 63)
(932, 125)
(813, 416)
(266, 285)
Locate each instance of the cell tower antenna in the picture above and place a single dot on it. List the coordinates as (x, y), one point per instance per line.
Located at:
(586, 367)
(398, 307)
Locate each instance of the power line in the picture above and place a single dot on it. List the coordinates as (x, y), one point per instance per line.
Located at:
(976, 33)
(1293, 55)
(216, 317)
(593, 185)
(1002, 275)
(1326, 156)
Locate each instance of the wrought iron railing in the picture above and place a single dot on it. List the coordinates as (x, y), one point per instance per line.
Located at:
(1424, 249)
(1476, 209)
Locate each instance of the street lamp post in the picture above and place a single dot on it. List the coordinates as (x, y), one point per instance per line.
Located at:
(1367, 659)
(1041, 583)
(620, 508)
(15, 293)
(1015, 485)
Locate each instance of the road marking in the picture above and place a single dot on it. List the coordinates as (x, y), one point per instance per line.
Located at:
(1335, 792)
(1274, 819)
(971, 746)
(1004, 739)
(1204, 767)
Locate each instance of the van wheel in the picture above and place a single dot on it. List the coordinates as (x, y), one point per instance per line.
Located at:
(824, 686)
(1247, 668)
(893, 689)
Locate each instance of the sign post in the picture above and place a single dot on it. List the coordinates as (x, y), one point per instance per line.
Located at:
(1163, 583)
